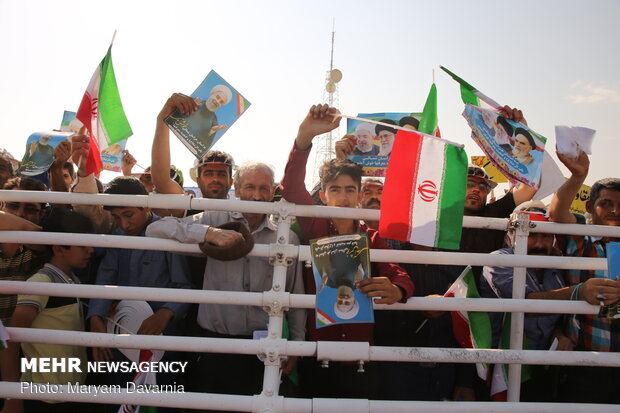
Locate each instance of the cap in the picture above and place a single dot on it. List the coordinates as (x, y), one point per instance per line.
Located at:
(193, 171)
(239, 249)
(477, 171)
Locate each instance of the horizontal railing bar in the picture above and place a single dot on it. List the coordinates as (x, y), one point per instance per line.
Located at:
(226, 402)
(262, 250)
(114, 292)
(186, 202)
(309, 349)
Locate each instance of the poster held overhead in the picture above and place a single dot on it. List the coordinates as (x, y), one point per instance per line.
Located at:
(219, 106)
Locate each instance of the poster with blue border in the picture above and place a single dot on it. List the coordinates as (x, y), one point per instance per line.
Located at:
(339, 263)
(219, 106)
(514, 149)
(374, 142)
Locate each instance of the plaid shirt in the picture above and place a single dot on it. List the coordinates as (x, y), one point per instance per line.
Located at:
(590, 332)
(17, 268)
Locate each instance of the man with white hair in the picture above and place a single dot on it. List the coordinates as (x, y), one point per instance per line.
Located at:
(237, 374)
(202, 124)
(364, 134)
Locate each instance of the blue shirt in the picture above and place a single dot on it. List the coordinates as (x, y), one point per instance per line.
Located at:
(141, 268)
(496, 282)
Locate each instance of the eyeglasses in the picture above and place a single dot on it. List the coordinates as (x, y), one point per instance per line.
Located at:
(482, 185)
(28, 209)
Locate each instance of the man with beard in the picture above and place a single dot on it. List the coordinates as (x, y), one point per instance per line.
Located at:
(372, 190)
(540, 283)
(386, 137)
(364, 134)
(589, 332)
(237, 374)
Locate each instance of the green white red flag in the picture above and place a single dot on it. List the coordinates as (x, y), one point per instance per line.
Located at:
(472, 329)
(424, 191)
(471, 95)
(101, 112)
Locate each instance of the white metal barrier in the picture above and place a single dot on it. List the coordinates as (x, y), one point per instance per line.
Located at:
(274, 348)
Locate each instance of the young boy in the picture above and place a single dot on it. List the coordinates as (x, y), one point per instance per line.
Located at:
(340, 187)
(137, 268)
(56, 313)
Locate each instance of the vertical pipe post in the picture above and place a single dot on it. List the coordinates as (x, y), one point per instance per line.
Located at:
(521, 225)
(271, 376)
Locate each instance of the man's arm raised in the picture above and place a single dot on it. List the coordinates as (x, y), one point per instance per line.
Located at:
(559, 210)
(320, 119)
(160, 151)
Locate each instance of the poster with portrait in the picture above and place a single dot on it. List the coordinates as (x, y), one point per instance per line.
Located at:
(374, 142)
(112, 156)
(339, 263)
(39, 154)
(219, 106)
(512, 147)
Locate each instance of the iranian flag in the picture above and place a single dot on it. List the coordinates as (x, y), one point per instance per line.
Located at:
(472, 329)
(101, 112)
(424, 191)
(471, 95)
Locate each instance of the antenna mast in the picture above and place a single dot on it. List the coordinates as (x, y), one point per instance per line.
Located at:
(325, 142)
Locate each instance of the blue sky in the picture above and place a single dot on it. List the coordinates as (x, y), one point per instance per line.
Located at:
(556, 60)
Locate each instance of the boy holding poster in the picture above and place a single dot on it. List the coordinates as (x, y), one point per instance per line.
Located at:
(389, 283)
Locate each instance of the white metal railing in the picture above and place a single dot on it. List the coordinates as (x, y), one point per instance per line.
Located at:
(274, 347)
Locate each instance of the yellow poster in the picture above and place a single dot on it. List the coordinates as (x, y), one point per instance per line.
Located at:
(491, 170)
(579, 203)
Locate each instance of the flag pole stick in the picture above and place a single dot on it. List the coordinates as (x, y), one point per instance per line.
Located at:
(113, 37)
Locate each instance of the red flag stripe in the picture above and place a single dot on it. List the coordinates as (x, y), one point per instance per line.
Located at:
(402, 172)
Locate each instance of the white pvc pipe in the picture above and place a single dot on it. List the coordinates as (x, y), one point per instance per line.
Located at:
(292, 405)
(296, 300)
(181, 202)
(517, 318)
(262, 250)
(167, 343)
(271, 374)
(335, 350)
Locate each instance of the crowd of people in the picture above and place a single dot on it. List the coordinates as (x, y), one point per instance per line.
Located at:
(225, 238)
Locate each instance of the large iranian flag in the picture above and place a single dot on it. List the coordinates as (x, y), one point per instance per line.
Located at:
(101, 112)
(424, 191)
(472, 329)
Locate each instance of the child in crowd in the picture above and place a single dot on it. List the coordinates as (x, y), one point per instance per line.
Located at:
(49, 312)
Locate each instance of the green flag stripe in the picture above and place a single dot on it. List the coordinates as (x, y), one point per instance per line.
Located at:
(112, 115)
(452, 198)
(428, 121)
(469, 97)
